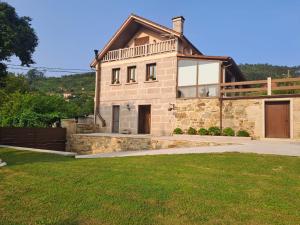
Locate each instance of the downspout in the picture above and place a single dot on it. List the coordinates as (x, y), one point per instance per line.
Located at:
(221, 96)
(97, 93)
(223, 80)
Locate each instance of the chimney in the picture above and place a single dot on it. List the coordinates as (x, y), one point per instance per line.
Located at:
(178, 23)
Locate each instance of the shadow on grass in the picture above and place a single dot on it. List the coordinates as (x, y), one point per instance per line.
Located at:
(17, 157)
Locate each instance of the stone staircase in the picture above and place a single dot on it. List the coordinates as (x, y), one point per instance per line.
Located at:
(2, 163)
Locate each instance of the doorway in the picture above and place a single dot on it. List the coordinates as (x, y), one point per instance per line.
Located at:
(115, 118)
(277, 119)
(144, 119)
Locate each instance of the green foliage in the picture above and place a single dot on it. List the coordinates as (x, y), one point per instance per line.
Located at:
(203, 131)
(262, 71)
(17, 37)
(15, 83)
(192, 131)
(242, 133)
(214, 131)
(33, 76)
(35, 110)
(84, 104)
(228, 131)
(177, 131)
(75, 84)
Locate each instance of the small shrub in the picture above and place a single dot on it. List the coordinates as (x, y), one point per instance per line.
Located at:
(242, 133)
(192, 131)
(178, 131)
(214, 131)
(203, 131)
(228, 131)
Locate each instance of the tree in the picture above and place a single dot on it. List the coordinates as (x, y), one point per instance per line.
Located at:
(16, 83)
(33, 76)
(17, 37)
(33, 110)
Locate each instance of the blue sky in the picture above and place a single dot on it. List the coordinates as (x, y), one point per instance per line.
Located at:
(256, 31)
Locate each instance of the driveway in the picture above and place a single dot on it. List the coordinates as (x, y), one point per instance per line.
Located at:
(288, 148)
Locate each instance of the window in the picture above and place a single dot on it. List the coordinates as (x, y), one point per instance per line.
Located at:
(115, 78)
(131, 74)
(151, 72)
(198, 78)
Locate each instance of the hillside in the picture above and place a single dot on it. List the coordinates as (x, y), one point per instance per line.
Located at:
(262, 71)
(77, 83)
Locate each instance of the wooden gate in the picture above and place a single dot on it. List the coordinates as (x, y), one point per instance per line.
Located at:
(277, 119)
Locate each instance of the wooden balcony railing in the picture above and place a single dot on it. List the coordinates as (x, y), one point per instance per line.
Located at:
(142, 50)
(261, 87)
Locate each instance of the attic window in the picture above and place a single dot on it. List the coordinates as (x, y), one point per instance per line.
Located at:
(141, 41)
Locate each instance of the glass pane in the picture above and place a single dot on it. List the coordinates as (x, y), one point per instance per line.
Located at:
(187, 72)
(208, 90)
(186, 92)
(208, 72)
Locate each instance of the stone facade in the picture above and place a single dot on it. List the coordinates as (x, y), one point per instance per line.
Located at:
(159, 93)
(197, 113)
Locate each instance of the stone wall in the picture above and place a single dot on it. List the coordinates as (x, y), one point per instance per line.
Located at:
(104, 143)
(296, 118)
(239, 114)
(197, 113)
(244, 114)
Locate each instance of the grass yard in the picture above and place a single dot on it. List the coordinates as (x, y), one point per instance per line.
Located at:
(211, 189)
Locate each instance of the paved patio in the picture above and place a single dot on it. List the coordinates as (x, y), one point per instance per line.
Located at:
(276, 147)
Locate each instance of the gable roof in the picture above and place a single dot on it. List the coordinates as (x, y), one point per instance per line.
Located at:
(131, 24)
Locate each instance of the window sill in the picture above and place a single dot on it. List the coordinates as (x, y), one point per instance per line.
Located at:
(115, 84)
(150, 81)
(131, 83)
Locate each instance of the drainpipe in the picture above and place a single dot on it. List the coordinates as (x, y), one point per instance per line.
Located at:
(222, 79)
(97, 94)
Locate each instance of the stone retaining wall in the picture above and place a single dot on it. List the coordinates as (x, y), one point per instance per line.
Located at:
(92, 144)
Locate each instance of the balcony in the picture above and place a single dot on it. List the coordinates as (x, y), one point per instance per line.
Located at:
(141, 50)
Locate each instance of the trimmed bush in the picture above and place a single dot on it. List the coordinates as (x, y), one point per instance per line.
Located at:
(203, 131)
(177, 131)
(228, 131)
(242, 133)
(192, 131)
(214, 131)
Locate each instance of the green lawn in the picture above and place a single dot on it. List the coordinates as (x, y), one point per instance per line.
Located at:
(212, 189)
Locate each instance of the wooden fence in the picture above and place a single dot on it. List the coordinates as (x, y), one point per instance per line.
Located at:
(267, 87)
(43, 138)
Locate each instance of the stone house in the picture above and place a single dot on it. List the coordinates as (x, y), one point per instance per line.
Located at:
(151, 79)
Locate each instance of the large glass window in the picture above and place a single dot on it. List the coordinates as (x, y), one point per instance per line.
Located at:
(198, 78)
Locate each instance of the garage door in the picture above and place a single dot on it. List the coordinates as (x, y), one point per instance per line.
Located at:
(277, 119)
